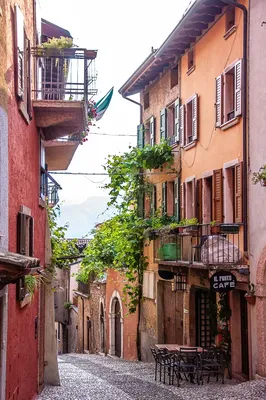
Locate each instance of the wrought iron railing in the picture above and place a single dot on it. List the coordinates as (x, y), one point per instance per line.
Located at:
(49, 188)
(65, 74)
(202, 244)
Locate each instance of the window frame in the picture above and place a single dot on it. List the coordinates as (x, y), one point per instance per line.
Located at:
(146, 100)
(174, 76)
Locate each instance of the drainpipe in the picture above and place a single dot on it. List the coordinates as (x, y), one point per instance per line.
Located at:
(245, 73)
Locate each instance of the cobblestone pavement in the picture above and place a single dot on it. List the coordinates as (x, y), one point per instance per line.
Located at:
(103, 378)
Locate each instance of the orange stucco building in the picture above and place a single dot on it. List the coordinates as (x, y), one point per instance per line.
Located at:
(193, 94)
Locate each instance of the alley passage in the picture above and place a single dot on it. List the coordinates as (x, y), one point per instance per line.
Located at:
(103, 378)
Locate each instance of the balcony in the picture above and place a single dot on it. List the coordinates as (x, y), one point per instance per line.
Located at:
(59, 152)
(199, 246)
(49, 189)
(83, 287)
(66, 79)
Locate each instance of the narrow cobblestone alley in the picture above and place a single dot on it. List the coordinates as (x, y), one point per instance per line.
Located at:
(103, 378)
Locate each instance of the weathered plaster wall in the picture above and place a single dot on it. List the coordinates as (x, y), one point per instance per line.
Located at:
(73, 330)
(257, 194)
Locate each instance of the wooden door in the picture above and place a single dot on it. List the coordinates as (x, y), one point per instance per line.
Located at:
(244, 333)
(203, 301)
(172, 314)
(117, 329)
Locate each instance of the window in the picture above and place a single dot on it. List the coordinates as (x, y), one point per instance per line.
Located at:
(173, 122)
(23, 66)
(217, 195)
(207, 199)
(146, 101)
(163, 124)
(230, 18)
(188, 121)
(182, 200)
(177, 199)
(43, 174)
(228, 94)
(25, 242)
(140, 136)
(168, 198)
(199, 200)
(190, 199)
(148, 284)
(190, 59)
(150, 133)
(174, 77)
(233, 186)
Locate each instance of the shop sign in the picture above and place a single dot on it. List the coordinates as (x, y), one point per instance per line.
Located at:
(223, 281)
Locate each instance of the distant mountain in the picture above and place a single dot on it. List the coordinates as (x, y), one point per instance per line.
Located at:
(83, 217)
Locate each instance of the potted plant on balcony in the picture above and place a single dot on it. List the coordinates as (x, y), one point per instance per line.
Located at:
(192, 225)
(215, 228)
(229, 228)
(260, 176)
(181, 225)
(250, 295)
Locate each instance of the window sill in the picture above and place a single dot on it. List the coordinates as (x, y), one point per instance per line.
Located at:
(42, 203)
(229, 124)
(230, 32)
(190, 145)
(26, 300)
(191, 69)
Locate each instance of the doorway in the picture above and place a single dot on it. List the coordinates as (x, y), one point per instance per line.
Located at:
(172, 314)
(102, 330)
(88, 333)
(117, 329)
(203, 301)
(244, 333)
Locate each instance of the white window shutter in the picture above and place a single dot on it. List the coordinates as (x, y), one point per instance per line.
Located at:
(238, 84)
(163, 124)
(20, 43)
(148, 284)
(152, 131)
(177, 106)
(218, 101)
(182, 125)
(195, 117)
(140, 136)
(177, 200)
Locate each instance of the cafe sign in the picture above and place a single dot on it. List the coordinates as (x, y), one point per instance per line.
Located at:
(223, 281)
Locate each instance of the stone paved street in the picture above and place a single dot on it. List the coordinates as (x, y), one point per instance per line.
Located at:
(103, 378)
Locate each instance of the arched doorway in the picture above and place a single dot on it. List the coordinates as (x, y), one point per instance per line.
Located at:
(116, 325)
(102, 329)
(117, 328)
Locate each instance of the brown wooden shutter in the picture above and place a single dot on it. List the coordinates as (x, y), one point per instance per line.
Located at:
(164, 198)
(21, 233)
(153, 200)
(217, 195)
(20, 52)
(218, 101)
(199, 200)
(193, 198)
(238, 192)
(170, 198)
(31, 237)
(29, 101)
(238, 84)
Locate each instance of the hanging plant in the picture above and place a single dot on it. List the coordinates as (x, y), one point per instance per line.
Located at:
(92, 111)
(260, 176)
(31, 284)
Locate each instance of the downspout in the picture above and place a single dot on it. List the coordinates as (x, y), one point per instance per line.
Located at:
(138, 104)
(245, 75)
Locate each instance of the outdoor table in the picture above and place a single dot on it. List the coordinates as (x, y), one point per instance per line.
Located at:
(176, 347)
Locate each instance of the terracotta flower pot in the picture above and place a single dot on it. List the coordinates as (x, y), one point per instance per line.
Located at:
(251, 298)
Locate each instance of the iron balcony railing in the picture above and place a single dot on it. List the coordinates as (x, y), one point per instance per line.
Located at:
(202, 245)
(49, 188)
(65, 74)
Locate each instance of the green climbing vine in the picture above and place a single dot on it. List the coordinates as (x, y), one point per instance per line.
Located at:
(118, 243)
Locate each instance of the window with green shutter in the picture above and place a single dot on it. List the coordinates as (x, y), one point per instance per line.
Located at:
(140, 136)
(163, 124)
(177, 199)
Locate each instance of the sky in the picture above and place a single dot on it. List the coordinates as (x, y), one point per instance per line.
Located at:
(123, 32)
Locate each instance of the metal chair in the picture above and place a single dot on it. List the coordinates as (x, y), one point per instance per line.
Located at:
(155, 356)
(211, 361)
(188, 363)
(225, 350)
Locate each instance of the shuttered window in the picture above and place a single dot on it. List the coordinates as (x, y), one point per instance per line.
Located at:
(20, 50)
(152, 131)
(29, 101)
(217, 196)
(140, 136)
(199, 200)
(164, 198)
(163, 124)
(177, 199)
(195, 117)
(177, 117)
(188, 121)
(238, 193)
(194, 200)
(218, 100)
(182, 201)
(153, 200)
(182, 125)
(238, 95)
(170, 198)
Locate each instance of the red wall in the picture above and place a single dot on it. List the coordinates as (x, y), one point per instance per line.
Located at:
(115, 281)
(22, 351)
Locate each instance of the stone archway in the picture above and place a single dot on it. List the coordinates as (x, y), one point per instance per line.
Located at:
(116, 325)
(261, 313)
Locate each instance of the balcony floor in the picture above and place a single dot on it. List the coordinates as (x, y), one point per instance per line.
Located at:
(59, 154)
